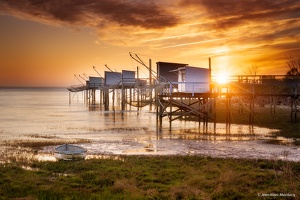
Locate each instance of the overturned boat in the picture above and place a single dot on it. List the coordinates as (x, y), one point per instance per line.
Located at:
(69, 152)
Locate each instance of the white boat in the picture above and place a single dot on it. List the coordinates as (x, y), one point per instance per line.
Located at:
(69, 152)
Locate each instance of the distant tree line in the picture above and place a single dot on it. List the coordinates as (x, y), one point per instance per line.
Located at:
(293, 63)
(292, 76)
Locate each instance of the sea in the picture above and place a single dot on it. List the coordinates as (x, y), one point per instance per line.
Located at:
(54, 115)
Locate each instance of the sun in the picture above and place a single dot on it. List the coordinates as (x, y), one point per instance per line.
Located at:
(222, 78)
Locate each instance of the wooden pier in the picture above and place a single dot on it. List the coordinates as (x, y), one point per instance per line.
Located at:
(248, 97)
(196, 99)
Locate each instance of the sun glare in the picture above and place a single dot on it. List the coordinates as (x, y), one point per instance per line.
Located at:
(222, 78)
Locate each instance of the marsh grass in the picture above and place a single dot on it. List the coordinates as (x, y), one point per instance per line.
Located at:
(144, 177)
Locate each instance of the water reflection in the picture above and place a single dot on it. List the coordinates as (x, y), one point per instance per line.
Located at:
(115, 132)
(218, 132)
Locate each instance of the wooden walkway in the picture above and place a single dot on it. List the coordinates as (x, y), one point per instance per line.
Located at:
(202, 106)
(178, 105)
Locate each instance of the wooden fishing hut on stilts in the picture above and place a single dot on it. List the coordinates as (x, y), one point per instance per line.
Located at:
(117, 90)
(88, 88)
(186, 93)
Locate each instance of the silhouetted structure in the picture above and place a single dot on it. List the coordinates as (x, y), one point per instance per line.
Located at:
(180, 91)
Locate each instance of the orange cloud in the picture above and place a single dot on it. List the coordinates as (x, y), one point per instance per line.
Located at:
(234, 33)
(145, 14)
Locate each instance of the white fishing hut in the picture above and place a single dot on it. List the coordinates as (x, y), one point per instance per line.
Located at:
(185, 78)
(193, 79)
(165, 71)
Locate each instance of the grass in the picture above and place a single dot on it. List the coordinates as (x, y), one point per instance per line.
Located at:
(146, 177)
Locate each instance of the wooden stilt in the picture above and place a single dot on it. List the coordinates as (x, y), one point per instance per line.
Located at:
(170, 114)
(215, 115)
(106, 99)
(70, 98)
(294, 101)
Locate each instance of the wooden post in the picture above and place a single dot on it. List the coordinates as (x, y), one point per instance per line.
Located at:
(94, 96)
(106, 99)
(272, 100)
(113, 98)
(84, 97)
(292, 111)
(89, 96)
(101, 97)
(294, 104)
(160, 110)
(126, 98)
(130, 98)
(199, 116)
(240, 101)
(251, 120)
(70, 98)
(227, 109)
(170, 114)
(150, 83)
(253, 104)
(215, 115)
(206, 111)
(123, 97)
(138, 92)
(156, 105)
(209, 65)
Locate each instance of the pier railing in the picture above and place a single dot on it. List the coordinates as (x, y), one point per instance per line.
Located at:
(268, 85)
(186, 87)
(259, 85)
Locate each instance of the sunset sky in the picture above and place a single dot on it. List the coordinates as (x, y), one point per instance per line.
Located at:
(46, 42)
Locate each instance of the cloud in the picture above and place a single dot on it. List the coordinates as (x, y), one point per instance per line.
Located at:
(197, 42)
(134, 13)
(181, 24)
(131, 16)
(116, 22)
(228, 14)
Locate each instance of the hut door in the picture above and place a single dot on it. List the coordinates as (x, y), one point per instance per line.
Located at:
(183, 75)
(181, 80)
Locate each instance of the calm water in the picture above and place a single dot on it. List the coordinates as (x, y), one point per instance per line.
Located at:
(44, 115)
